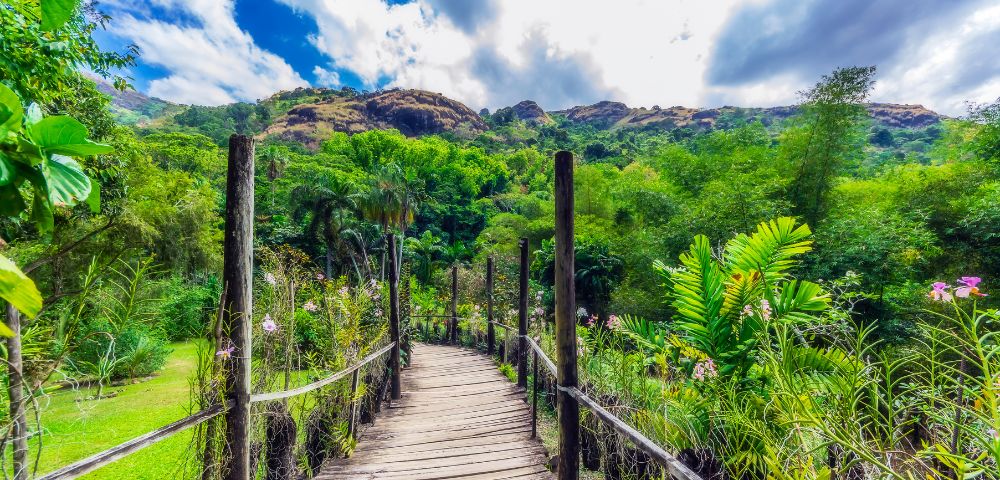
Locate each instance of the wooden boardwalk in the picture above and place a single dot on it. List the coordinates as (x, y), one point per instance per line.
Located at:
(459, 418)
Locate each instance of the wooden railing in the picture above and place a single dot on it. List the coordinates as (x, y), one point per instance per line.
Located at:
(118, 452)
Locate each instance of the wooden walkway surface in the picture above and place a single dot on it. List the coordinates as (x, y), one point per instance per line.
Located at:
(459, 418)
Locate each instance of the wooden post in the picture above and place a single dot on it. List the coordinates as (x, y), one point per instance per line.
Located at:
(491, 334)
(454, 305)
(522, 319)
(15, 392)
(394, 319)
(569, 409)
(236, 273)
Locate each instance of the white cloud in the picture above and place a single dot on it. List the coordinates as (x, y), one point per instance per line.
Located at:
(211, 61)
(326, 78)
(637, 51)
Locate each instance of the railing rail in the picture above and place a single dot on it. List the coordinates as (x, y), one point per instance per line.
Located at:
(673, 466)
(271, 396)
(117, 452)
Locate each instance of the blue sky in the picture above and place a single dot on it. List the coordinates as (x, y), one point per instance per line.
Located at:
(560, 53)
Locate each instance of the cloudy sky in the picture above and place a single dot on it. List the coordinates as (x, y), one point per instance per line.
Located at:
(560, 53)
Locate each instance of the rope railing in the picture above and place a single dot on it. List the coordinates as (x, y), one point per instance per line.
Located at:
(673, 466)
(271, 396)
(120, 451)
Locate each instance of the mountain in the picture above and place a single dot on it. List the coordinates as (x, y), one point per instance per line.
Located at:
(412, 112)
(134, 108)
(614, 115)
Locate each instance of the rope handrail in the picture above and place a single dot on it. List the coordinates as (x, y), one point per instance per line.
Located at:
(505, 327)
(271, 396)
(112, 454)
(671, 463)
(117, 452)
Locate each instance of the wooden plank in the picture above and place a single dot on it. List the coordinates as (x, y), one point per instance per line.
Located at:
(458, 417)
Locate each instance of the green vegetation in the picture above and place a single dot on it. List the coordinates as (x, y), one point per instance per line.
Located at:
(794, 338)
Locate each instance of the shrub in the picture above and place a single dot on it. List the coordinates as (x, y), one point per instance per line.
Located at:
(187, 308)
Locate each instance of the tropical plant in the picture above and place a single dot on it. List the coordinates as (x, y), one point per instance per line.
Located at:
(424, 250)
(723, 304)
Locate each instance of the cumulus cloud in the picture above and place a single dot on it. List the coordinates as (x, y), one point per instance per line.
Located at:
(767, 51)
(491, 54)
(210, 60)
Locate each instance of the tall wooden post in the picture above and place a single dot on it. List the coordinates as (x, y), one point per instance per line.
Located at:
(394, 318)
(569, 409)
(522, 318)
(454, 304)
(236, 273)
(491, 334)
(15, 393)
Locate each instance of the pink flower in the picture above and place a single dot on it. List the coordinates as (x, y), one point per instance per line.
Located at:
(320, 277)
(343, 291)
(309, 306)
(747, 311)
(613, 322)
(225, 353)
(705, 369)
(590, 321)
(268, 325)
(994, 435)
(765, 310)
(939, 292)
(969, 287)
(269, 278)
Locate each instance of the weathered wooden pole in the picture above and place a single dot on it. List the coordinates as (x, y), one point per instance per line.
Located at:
(522, 318)
(568, 408)
(15, 393)
(236, 273)
(454, 304)
(534, 395)
(394, 319)
(352, 415)
(491, 334)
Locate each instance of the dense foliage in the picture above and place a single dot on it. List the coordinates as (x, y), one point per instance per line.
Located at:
(803, 297)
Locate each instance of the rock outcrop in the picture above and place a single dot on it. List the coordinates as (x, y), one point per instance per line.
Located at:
(530, 112)
(412, 112)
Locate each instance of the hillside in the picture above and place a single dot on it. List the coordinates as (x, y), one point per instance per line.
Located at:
(132, 107)
(412, 112)
(618, 115)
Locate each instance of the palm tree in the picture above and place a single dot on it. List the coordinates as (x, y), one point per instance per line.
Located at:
(330, 209)
(424, 250)
(390, 201)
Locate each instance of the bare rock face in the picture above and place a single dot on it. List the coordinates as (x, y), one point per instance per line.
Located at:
(610, 115)
(530, 112)
(412, 112)
(601, 114)
(903, 116)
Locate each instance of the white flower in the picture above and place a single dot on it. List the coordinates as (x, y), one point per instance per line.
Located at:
(581, 312)
(269, 278)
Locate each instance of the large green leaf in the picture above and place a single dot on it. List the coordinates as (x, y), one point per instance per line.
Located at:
(13, 106)
(19, 290)
(67, 183)
(11, 202)
(7, 171)
(65, 136)
(55, 13)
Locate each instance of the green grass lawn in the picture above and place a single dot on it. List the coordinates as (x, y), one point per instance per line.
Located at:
(76, 428)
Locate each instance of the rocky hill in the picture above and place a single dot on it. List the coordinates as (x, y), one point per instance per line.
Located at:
(412, 112)
(618, 115)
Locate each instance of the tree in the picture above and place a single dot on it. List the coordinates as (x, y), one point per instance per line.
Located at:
(424, 250)
(598, 272)
(829, 136)
(330, 210)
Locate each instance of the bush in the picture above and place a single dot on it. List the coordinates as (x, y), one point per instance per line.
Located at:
(137, 351)
(187, 308)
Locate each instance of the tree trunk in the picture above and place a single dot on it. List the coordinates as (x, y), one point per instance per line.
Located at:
(15, 391)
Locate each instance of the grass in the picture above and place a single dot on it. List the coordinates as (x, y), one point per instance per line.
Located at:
(75, 428)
